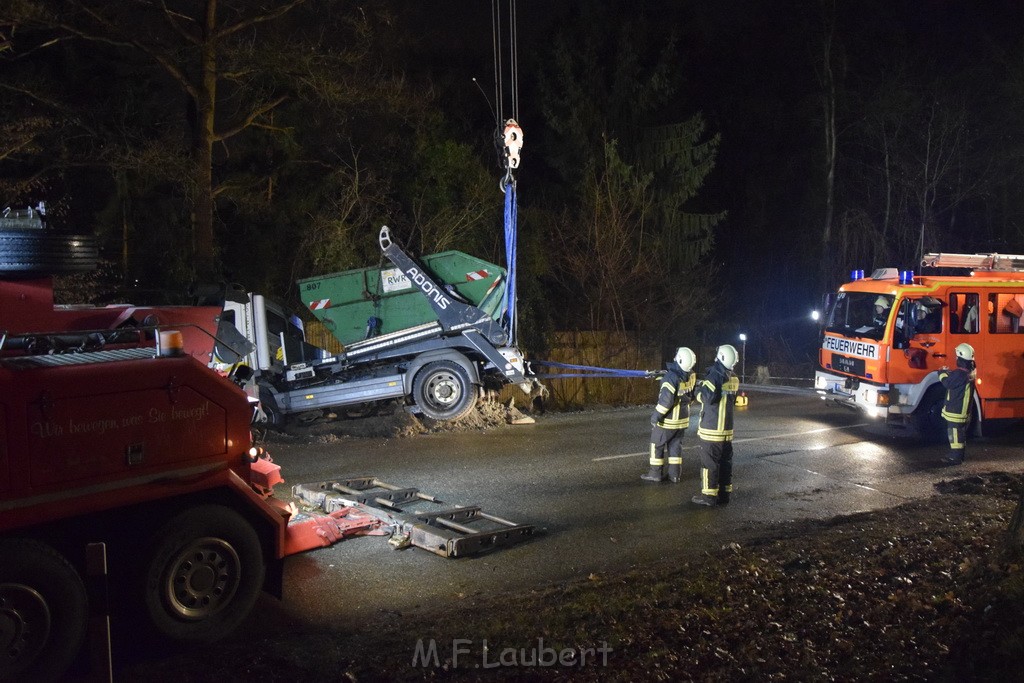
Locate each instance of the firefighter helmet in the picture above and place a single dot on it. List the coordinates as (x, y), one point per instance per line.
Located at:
(965, 351)
(882, 301)
(685, 358)
(727, 356)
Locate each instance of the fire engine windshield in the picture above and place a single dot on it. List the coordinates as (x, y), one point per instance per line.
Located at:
(860, 314)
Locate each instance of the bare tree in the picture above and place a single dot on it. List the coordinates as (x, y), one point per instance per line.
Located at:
(185, 41)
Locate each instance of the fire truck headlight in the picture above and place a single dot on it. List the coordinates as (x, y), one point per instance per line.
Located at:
(872, 411)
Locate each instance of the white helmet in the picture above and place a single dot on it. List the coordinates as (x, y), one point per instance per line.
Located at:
(965, 351)
(727, 356)
(882, 302)
(685, 358)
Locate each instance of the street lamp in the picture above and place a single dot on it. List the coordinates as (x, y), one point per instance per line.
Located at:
(743, 359)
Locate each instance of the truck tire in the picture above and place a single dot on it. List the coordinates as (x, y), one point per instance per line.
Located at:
(443, 391)
(43, 611)
(203, 575)
(46, 253)
(927, 418)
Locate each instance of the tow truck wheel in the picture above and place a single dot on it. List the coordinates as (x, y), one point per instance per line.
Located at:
(443, 391)
(203, 575)
(43, 612)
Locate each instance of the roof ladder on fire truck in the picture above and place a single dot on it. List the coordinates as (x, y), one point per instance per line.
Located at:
(1013, 263)
(445, 530)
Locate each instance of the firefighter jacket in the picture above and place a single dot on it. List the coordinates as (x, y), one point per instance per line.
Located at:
(958, 384)
(717, 396)
(674, 398)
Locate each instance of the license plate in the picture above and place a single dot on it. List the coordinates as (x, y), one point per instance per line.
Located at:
(852, 366)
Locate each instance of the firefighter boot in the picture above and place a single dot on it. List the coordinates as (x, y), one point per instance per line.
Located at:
(705, 499)
(655, 474)
(675, 472)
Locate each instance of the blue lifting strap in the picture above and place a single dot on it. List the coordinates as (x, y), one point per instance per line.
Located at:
(511, 218)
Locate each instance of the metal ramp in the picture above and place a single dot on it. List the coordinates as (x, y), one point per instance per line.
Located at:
(415, 518)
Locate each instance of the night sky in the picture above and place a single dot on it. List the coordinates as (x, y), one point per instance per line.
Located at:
(924, 102)
(753, 69)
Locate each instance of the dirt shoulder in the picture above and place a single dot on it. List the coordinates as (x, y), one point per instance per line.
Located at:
(923, 591)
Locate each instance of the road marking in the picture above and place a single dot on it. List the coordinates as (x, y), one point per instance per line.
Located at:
(754, 438)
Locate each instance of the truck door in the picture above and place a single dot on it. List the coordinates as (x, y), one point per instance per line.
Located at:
(1000, 359)
(918, 346)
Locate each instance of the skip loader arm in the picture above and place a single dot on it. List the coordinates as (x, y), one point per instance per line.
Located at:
(454, 316)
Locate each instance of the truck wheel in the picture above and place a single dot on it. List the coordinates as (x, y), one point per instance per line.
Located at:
(46, 253)
(928, 416)
(43, 611)
(204, 574)
(443, 391)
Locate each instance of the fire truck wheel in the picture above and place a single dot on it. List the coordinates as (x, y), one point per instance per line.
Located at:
(203, 575)
(443, 391)
(928, 416)
(43, 611)
(46, 253)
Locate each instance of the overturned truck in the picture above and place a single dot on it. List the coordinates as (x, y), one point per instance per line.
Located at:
(428, 333)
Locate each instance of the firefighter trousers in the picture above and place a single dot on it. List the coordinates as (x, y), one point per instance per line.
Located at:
(957, 434)
(666, 444)
(716, 467)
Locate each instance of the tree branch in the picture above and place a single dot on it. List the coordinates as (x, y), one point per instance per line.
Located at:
(56, 106)
(249, 120)
(169, 66)
(252, 21)
(172, 19)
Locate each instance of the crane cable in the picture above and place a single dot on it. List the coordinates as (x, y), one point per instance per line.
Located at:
(509, 137)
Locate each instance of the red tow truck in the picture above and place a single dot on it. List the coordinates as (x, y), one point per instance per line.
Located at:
(131, 489)
(128, 476)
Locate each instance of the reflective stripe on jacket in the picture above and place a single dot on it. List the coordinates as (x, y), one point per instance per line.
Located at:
(674, 397)
(957, 407)
(717, 396)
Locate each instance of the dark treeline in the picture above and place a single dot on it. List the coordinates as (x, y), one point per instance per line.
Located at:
(691, 170)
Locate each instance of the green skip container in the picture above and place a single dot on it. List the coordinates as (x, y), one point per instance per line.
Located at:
(348, 302)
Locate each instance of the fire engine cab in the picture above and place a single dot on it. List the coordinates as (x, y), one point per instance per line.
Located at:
(888, 335)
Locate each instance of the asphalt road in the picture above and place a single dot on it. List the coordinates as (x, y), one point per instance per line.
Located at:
(576, 476)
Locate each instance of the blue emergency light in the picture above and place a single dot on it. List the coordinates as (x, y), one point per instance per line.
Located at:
(856, 275)
(906, 277)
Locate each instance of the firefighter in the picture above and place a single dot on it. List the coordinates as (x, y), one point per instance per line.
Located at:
(881, 312)
(956, 411)
(671, 417)
(717, 397)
